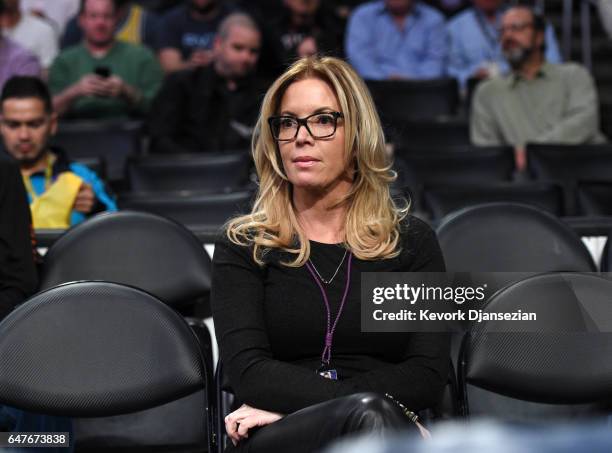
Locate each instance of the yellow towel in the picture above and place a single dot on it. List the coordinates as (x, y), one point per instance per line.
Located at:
(52, 209)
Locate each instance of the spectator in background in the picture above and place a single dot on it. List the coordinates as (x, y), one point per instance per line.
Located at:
(18, 278)
(61, 193)
(29, 32)
(475, 50)
(212, 108)
(396, 39)
(135, 25)
(103, 77)
(307, 27)
(15, 60)
(538, 101)
(187, 33)
(56, 12)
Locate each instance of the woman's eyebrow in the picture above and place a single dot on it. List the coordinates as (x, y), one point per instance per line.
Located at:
(319, 110)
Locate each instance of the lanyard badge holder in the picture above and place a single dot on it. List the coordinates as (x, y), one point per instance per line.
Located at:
(325, 369)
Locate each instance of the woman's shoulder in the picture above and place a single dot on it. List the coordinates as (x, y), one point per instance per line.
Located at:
(413, 230)
(241, 250)
(227, 249)
(420, 250)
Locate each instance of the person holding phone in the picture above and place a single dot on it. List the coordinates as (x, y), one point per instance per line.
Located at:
(103, 77)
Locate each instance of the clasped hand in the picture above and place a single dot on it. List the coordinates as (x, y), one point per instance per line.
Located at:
(239, 422)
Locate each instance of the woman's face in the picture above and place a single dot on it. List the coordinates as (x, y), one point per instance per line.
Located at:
(310, 163)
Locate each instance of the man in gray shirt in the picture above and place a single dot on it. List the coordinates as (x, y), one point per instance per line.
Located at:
(538, 102)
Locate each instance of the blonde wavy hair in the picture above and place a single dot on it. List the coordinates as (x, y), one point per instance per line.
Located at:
(373, 218)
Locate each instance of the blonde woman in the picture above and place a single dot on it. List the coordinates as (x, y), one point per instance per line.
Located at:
(286, 278)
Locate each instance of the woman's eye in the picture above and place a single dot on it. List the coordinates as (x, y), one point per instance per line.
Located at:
(325, 119)
(287, 123)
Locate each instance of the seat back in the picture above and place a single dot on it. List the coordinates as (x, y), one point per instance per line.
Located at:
(442, 199)
(487, 165)
(196, 210)
(133, 248)
(562, 372)
(399, 101)
(90, 349)
(509, 237)
(594, 198)
(215, 173)
(444, 133)
(114, 141)
(566, 164)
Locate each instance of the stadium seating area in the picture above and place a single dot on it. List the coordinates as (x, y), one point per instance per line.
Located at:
(140, 279)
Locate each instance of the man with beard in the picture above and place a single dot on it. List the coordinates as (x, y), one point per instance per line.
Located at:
(212, 108)
(475, 49)
(538, 102)
(61, 193)
(103, 77)
(187, 33)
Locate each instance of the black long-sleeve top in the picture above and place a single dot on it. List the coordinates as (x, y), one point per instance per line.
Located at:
(18, 278)
(270, 324)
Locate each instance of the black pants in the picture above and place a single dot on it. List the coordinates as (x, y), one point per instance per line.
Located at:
(314, 427)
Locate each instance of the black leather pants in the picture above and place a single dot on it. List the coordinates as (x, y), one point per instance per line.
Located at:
(314, 427)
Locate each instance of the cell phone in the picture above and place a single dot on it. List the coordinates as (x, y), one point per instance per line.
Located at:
(103, 71)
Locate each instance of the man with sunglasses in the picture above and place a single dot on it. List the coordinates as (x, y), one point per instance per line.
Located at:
(538, 102)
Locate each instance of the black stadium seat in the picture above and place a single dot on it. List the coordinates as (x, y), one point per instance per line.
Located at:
(114, 141)
(133, 248)
(558, 373)
(595, 197)
(98, 349)
(509, 241)
(567, 164)
(399, 101)
(197, 211)
(446, 133)
(508, 237)
(442, 199)
(494, 164)
(158, 256)
(210, 172)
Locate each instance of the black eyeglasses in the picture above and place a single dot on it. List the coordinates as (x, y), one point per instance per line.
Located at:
(514, 28)
(319, 125)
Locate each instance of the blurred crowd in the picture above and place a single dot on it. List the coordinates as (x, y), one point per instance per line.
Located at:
(195, 71)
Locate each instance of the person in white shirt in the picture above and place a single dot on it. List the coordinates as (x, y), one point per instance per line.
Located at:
(30, 32)
(56, 12)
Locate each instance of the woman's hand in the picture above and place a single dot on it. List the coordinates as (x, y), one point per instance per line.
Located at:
(238, 423)
(425, 434)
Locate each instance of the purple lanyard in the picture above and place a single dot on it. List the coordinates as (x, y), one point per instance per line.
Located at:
(329, 334)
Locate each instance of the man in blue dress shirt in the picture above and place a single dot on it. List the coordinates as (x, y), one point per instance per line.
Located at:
(475, 50)
(396, 39)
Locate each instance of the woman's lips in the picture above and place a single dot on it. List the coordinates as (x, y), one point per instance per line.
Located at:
(305, 161)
